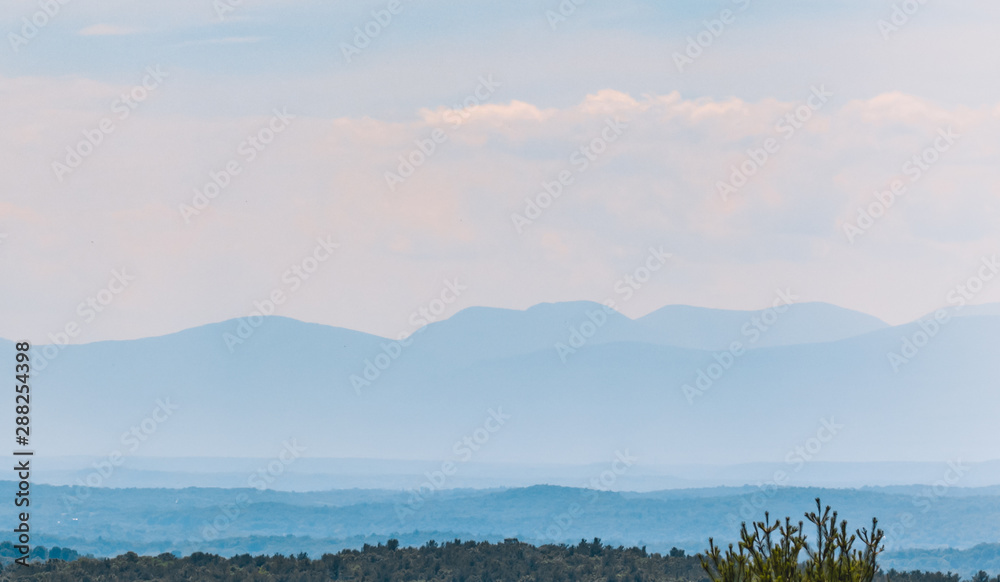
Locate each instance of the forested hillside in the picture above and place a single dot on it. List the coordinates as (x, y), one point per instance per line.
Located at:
(109, 522)
(455, 561)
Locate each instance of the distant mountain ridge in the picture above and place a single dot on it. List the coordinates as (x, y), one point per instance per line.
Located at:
(665, 387)
(674, 325)
(319, 474)
(547, 324)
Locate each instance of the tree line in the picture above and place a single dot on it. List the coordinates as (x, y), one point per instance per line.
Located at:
(454, 561)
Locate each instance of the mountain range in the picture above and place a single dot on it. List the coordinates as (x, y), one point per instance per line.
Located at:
(566, 383)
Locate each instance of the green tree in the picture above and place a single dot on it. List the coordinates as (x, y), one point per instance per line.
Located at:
(771, 552)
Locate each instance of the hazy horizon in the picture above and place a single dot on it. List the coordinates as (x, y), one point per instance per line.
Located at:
(335, 273)
(989, 308)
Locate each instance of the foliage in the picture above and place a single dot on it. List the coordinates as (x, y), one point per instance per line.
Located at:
(455, 561)
(771, 553)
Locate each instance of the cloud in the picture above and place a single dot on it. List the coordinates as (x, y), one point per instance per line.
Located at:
(223, 40)
(108, 30)
(655, 185)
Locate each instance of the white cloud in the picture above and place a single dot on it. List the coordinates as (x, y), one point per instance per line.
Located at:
(223, 40)
(108, 30)
(655, 186)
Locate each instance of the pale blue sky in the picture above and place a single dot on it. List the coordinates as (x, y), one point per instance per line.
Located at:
(557, 88)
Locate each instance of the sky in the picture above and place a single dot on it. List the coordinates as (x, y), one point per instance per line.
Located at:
(521, 152)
